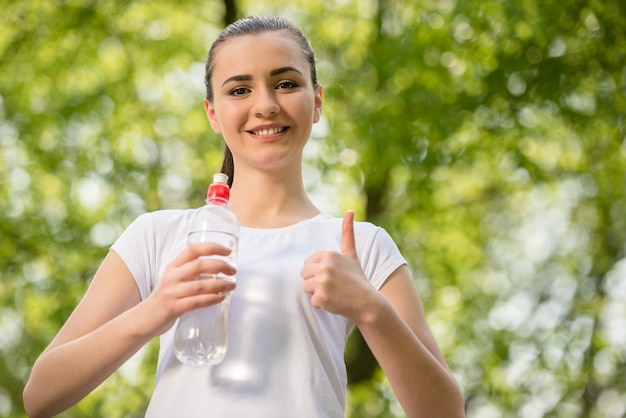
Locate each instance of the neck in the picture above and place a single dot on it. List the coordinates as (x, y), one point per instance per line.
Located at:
(266, 200)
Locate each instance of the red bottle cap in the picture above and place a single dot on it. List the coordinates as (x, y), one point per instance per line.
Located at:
(218, 192)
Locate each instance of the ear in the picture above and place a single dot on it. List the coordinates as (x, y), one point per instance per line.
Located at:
(317, 110)
(209, 109)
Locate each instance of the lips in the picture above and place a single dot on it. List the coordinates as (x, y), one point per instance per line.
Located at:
(268, 131)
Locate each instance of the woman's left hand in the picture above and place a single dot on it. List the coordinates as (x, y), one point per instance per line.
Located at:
(335, 280)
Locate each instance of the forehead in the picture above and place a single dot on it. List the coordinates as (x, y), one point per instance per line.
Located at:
(259, 52)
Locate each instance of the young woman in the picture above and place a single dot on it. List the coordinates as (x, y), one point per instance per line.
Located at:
(304, 278)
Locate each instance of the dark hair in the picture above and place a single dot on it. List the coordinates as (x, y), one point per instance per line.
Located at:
(251, 26)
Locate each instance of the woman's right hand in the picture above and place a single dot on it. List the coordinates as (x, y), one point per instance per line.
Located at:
(179, 290)
(113, 321)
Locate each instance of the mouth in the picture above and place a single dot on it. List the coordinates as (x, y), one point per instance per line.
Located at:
(270, 131)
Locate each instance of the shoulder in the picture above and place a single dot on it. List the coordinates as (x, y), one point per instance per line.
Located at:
(329, 221)
(166, 215)
(163, 218)
(368, 235)
(150, 241)
(363, 229)
(157, 225)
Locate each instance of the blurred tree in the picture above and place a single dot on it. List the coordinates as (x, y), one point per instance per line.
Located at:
(487, 136)
(491, 143)
(100, 120)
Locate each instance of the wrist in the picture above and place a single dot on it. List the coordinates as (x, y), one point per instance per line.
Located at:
(141, 324)
(373, 311)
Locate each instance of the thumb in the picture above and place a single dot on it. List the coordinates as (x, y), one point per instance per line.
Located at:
(348, 245)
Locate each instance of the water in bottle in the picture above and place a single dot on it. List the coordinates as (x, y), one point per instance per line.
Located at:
(201, 336)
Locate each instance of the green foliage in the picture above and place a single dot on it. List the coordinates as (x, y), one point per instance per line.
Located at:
(487, 136)
(101, 119)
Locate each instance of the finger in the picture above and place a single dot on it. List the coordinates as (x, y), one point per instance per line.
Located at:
(197, 267)
(309, 271)
(213, 266)
(309, 286)
(316, 257)
(194, 251)
(208, 287)
(348, 245)
(204, 293)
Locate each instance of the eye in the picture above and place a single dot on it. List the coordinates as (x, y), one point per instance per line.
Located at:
(287, 85)
(238, 91)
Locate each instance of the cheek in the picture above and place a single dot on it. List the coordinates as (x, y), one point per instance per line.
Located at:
(304, 110)
(226, 119)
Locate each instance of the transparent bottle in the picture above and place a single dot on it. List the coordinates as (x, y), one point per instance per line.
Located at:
(201, 336)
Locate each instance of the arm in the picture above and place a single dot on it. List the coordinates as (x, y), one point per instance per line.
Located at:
(395, 329)
(111, 323)
(96, 339)
(393, 324)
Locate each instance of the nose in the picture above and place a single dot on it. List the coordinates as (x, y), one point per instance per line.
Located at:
(265, 104)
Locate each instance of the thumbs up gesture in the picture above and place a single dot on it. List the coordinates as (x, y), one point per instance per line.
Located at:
(335, 280)
(348, 245)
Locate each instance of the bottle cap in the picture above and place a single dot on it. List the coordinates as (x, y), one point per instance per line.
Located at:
(220, 178)
(218, 192)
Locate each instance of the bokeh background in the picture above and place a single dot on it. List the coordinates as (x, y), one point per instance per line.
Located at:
(487, 136)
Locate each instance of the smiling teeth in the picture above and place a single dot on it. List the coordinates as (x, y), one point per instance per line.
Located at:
(271, 131)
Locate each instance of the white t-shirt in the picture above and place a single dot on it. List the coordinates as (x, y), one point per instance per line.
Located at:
(285, 357)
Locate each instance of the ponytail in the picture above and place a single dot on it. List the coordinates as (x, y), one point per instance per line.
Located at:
(228, 165)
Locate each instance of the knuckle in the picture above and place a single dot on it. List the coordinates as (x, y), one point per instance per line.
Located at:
(195, 287)
(324, 281)
(193, 249)
(325, 271)
(321, 298)
(171, 306)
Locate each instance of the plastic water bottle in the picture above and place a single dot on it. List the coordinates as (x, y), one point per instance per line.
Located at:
(201, 336)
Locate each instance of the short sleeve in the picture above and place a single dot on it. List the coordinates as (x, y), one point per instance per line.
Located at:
(133, 246)
(382, 259)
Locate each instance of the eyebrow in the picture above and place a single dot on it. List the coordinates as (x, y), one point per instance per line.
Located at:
(284, 70)
(247, 77)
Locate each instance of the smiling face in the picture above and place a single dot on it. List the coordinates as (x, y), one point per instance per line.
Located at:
(264, 102)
